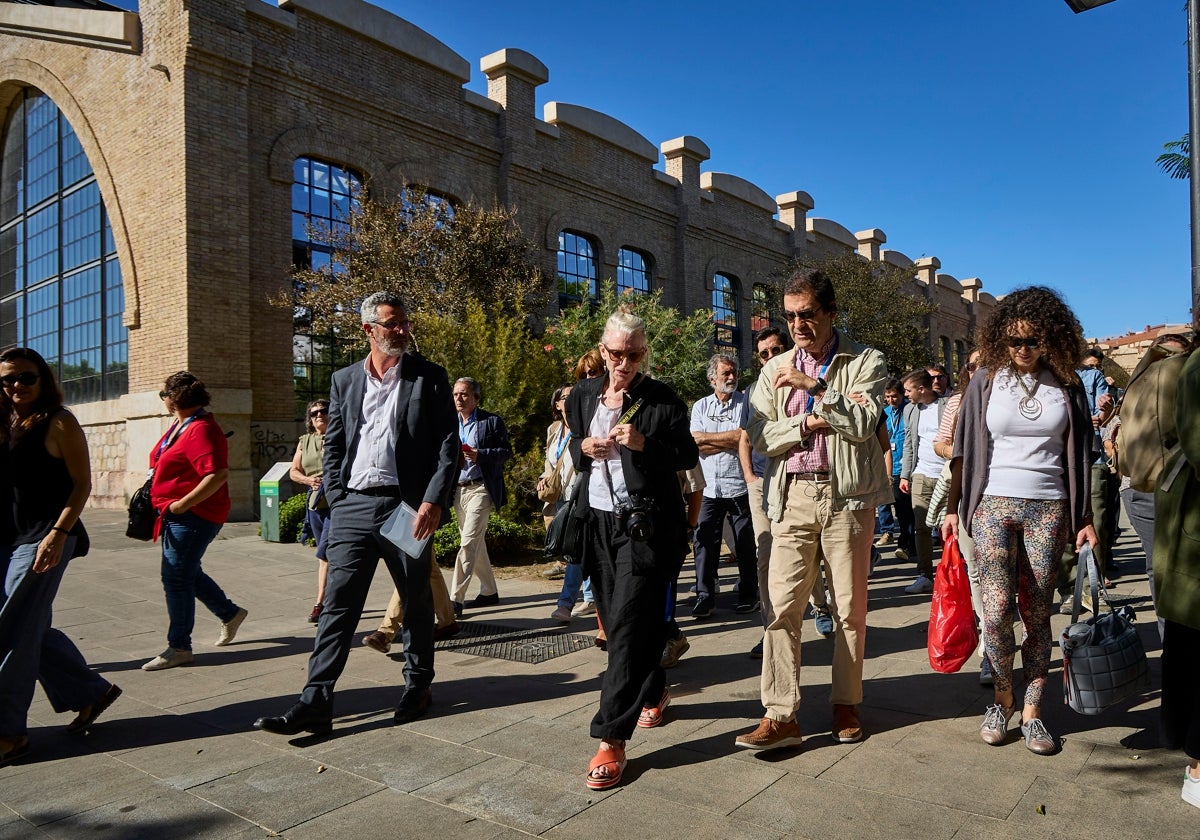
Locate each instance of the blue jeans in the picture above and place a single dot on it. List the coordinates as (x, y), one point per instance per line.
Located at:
(185, 537)
(31, 650)
(318, 523)
(573, 583)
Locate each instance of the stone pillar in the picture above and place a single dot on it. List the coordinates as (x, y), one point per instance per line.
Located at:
(683, 157)
(869, 242)
(793, 212)
(513, 77)
(927, 272)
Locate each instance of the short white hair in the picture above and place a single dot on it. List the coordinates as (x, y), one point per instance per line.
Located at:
(625, 324)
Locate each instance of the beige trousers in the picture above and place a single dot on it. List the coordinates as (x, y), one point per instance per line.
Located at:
(442, 609)
(809, 528)
(472, 504)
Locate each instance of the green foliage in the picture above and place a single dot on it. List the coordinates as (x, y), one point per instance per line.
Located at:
(520, 480)
(1176, 161)
(876, 308)
(440, 259)
(504, 537)
(291, 518)
(680, 346)
(518, 376)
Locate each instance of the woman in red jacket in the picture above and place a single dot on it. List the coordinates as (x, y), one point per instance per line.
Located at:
(189, 490)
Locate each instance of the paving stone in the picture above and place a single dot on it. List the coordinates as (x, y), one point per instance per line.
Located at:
(391, 813)
(55, 790)
(1074, 808)
(399, 759)
(164, 816)
(656, 818)
(185, 764)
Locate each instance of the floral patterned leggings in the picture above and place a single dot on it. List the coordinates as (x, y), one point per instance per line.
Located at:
(1017, 546)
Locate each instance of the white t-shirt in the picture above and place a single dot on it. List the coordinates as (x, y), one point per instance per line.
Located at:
(1027, 458)
(929, 463)
(599, 495)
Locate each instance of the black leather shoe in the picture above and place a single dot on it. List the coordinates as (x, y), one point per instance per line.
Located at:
(485, 600)
(414, 704)
(458, 608)
(300, 718)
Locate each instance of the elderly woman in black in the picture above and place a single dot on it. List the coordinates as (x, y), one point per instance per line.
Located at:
(45, 479)
(629, 435)
(1021, 469)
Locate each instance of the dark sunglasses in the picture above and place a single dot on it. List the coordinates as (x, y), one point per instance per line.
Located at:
(618, 356)
(1031, 343)
(24, 378)
(803, 315)
(318, 412)
(971, 366)
(162, 395)
(770, 352)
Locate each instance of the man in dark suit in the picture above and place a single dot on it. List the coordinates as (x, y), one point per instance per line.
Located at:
(392, 437)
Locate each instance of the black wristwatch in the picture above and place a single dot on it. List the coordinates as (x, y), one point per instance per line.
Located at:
(822, 386)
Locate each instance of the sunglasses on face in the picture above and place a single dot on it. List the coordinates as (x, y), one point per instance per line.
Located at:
(807, 315)
(770, 352)
(971, 366)
(25, 378)
(619, 356)
(1030, 343)
(319, 412)
(392, 326)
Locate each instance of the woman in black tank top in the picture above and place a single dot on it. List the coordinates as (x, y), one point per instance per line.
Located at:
(45, 480)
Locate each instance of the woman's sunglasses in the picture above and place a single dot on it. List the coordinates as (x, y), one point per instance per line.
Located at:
(1031, 343)
(319, 412)
(25, 378)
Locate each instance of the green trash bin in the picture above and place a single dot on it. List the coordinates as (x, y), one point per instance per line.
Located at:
(269, 498)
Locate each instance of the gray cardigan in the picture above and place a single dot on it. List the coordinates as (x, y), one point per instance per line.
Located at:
(912, 435)
(972, 454)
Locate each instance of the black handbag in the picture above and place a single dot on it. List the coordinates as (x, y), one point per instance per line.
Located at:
(564, 537)
(1103, 658)
(142, 514)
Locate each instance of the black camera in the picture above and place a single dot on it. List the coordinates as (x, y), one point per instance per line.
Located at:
(634, 519)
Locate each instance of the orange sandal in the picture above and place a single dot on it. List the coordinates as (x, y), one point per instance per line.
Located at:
(652, 716)
(611, 758)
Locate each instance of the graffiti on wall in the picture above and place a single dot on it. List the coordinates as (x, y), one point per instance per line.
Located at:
(271, 443)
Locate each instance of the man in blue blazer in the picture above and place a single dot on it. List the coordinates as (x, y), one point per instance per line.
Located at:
(392, 437)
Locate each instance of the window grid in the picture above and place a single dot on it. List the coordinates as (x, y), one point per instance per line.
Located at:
(632, 272)
(760, 307)
(60, 281)
(727, 334)
(576, 269)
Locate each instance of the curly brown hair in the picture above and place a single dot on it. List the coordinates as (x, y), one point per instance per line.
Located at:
(1053, 322)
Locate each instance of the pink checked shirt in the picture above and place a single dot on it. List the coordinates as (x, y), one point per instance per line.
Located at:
(814, 458)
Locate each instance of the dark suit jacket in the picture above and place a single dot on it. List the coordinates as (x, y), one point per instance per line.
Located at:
(494, 449)
(427, 446)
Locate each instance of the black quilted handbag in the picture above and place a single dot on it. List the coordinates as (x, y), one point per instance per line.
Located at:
(1103, 658)
(142, 514)
(564, 537)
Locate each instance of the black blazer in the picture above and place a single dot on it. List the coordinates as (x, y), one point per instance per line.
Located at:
(427, 447)
(663, 419)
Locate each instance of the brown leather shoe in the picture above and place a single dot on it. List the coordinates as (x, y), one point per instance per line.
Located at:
(377, 641)
(771, 735)
(446, 631)
(846, 727)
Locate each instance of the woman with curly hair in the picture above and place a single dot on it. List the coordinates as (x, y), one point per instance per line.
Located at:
(1019, 487)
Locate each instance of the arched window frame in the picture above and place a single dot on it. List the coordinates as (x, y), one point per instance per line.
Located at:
(726, 306)
(577, 262)
(61, 287)
(634, 271)
(764, 307)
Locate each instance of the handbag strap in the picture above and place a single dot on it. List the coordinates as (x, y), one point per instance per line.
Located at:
(1087, 563)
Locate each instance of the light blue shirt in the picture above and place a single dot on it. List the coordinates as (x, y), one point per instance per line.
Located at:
(468, 433)
(1095, 386)
(723, 470)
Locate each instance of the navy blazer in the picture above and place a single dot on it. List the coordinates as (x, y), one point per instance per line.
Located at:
(494, 449)
(427, 447)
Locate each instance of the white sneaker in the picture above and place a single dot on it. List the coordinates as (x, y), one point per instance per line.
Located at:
(583, 608)
(1191, 789)
(229, 628)
(919, 586)
(169, 658)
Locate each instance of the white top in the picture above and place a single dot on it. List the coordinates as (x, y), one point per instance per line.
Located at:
(374, 462)
(929, 463)
(1027, 458)
(598, 493)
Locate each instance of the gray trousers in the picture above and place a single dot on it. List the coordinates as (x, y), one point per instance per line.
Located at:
(355, 547)
(1139, 507)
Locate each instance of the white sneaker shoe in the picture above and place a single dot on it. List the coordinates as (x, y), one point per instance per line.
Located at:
(583, 608)
(1191, 789)
(920, 586)
(169, 658)
(229, 628)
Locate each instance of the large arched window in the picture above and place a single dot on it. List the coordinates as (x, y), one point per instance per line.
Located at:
(322, 196)
(60, 281)
(727, 332)
(633, 271)
(762, 306)
(576, 268)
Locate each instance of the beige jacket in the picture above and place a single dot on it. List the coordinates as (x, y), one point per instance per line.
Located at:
(859, 476)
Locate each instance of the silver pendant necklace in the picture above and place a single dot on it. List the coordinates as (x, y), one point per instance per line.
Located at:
(1031, 406)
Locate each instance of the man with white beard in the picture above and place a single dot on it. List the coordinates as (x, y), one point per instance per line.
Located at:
(719, 429)
(392, 437)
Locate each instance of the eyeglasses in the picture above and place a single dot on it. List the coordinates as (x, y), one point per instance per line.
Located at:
(162, 395)
(807, 315)
(319, 412)
(25, 378)
(972, 365)
(770, 352)
(392, 326)
(1030, 343)
(619, 356)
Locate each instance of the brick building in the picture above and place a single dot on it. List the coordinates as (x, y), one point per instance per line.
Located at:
(159, 167)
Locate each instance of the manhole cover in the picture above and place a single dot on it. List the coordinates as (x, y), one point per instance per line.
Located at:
(513, 643)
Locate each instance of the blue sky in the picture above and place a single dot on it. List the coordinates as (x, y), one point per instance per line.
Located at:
(1012, 139)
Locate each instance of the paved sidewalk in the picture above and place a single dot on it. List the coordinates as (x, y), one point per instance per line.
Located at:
(503, 751)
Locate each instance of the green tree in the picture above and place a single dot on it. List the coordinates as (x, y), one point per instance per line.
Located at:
(1176, 161)
(679, 345)
(876, 307)
(439, 257)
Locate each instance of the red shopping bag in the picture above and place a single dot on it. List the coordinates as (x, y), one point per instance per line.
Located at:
(952, 634)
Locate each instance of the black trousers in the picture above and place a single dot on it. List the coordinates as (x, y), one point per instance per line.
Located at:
(355, 547)
(708, 545)
(1180, 708)
(630, 589)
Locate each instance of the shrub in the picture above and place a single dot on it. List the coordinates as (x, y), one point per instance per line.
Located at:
(291, 518)
(504, 537)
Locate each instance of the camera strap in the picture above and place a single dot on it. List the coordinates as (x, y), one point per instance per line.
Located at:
(624, 418)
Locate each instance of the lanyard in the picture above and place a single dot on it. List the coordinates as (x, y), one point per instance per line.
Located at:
(894, 424)
(821, 373)
(168, 440)
(562, 444)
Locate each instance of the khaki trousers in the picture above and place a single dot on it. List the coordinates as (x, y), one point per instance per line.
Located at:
(809, 528)
(443, 610)
(762, 539)
(472, 504)
(922, 493)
